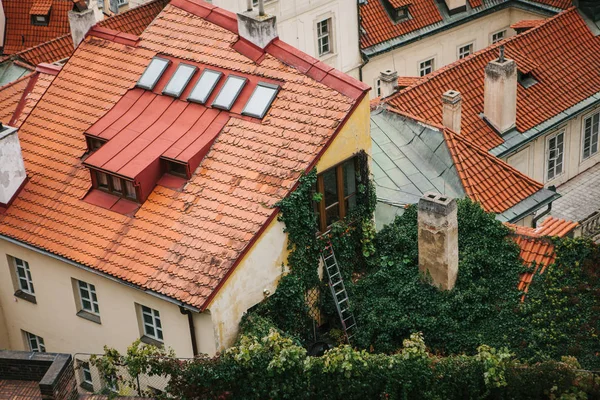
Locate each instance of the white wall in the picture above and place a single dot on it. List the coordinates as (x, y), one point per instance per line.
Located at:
(443, 47)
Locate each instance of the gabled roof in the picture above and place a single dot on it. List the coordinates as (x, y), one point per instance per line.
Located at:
(181, 244)
(381, 33)
(562, 54)
(134, 20)
(48, 52)
(21, 34)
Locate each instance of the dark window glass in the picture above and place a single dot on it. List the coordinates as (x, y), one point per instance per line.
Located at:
(102, 180)
(338, 188)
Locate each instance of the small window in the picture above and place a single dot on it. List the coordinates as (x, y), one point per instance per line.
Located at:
(40, 20)
(229, 92)
(153, 72)
(94, 143)
(88, 298)
(338, 187)
(205, 85)
(526, 80)
(35, 343)
(261, 100)
(555, 155)
(102, 180)
(151, 323)
(176, 168)
(378, 87)
(179, 80)
(87, 381)
(498, 36)
(115, 185)
(465, 51)
(426, 67)
(24, 276)
(122, 2)
(400, 14)
(324, 37)
(590, 135)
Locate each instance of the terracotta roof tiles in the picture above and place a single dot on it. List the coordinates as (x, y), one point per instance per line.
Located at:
(10, 96)
(40, 7)
(560, 85)
(181, 243)
(48, 52)
(135, 20)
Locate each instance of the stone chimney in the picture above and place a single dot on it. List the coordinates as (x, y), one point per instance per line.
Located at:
(500, 93)
(438, 239)
(451, 110)
(389, 82)
(81, 20)
(256, 26)
(456, 6)
(12, 168)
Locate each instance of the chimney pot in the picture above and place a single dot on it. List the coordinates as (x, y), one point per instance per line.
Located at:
(12, 168)
(452, 110)
(438, 239)
(389, 82)
(81, 22)
(500, 94)
(257, 28)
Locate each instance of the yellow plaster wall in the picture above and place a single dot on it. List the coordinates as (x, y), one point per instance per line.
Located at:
(261, 268)
(3, 331)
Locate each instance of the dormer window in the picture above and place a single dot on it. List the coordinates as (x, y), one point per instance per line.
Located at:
(40, 20)
(401, 13)
(177, 169)
(526, 80)
(114, 185)
(94, 143)
(397, 9)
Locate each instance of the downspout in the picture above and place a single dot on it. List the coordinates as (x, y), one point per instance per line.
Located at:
(192, 329)
(362, 55)
(543, 214)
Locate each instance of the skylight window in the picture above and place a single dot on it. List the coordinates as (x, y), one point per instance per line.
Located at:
(205, 85)
(261, 100)
(153, 73)
(179, 80)
(229, 92)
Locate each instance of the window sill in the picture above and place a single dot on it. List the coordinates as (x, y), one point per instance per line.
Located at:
(89, 316)
(87, 386)
(151, 341)
(25, 296)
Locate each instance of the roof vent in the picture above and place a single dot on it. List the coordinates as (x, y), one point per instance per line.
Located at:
(12, 168)
(257, 27)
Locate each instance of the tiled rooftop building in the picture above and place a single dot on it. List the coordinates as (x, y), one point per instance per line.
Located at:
(161, 230)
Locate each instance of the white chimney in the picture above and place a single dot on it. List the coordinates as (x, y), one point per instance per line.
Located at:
(12, 168)
(256, 26)
(389, 82)
(500, 93)
(81, 20)
(438, 239)
(451, 110)
(456, 6)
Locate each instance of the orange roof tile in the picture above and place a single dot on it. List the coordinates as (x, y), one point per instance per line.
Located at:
(527, 24)
(135, 20)
(564, 4)
(48, 52)
(486, 179)
(560, 85)
(10, 95)
(400, 3)
(40, 7)
(180, 243)
(553, 226)
(22, 34)
(404, 81)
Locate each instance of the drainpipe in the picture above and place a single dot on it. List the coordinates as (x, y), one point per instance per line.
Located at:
(537, 217)
(192, 329)
(362, 55)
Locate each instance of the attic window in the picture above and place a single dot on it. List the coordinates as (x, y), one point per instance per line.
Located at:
(229, 92)
(400, 14)
(179, 80)
(153, 72)
(526, 80)
(261, 100)
(115, 185)
(205, 85)
(40, 20)
(94, 144)
(177, 169)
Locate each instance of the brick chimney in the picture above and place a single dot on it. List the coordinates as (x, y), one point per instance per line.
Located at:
(456, 6)
(451, 110)
(12, 168)
(500, 93)
(438, 239)
(256, 26)
(389, 82)
(81, 20)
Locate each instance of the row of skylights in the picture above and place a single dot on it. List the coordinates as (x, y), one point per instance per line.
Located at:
(257, 105)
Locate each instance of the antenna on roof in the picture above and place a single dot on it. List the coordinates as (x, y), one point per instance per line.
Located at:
(501, 58)
(261, 7)
(249, 6)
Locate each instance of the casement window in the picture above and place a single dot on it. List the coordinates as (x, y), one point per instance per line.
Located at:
(400, 14)
(324, 37)
(94, 143)
(465, 51)
(35, 343)
(88, 298)
(378, 87)
(86, 379)
(590, 135)
(152, 326)
(122, 2)
(337, 186)
(115, 185)
(23, 276)
(498, 36)
(426, 67)
(176, 169)
(555, 148)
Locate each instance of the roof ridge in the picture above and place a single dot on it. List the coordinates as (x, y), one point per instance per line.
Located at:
(17, 80)
(40, 45)
(131, 10)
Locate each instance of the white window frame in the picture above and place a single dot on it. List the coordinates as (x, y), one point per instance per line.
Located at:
(24, 283)
(90, 291)
(460, 53)
(35, 343)
(595, 114)
(85, 367)
(122, 3)
(504, 32)
(155, 323)
(422, 68)
(547, 158)
(377, 87)
(329, 35)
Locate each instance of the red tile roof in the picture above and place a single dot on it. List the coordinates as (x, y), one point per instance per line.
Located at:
(486, 179)
(527, 24)
(564, 4)
(404, 81)
(10, 96)
(21, 34)
(181, 243)
(48, 52)
(40, 7)
(19, 390)
(135, 20)
(561, 84)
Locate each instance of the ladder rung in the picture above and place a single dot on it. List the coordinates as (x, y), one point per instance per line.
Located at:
(341, 291)
(327, 258)
(343, 300)
(337, 283)
(344, 310)
(350, 327)
(350, 317)
(331, 276)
